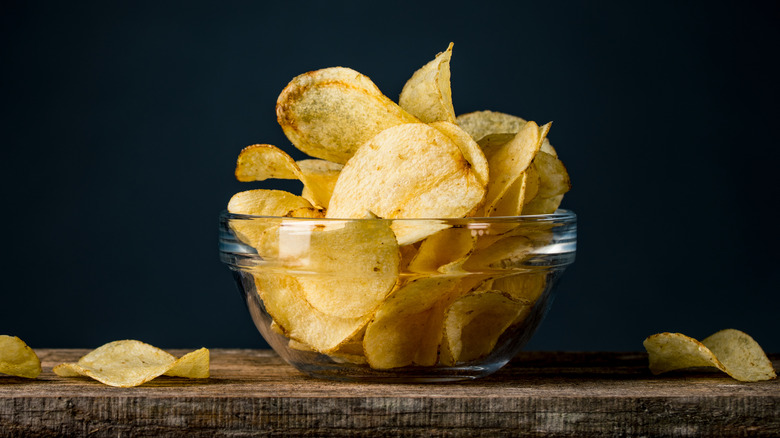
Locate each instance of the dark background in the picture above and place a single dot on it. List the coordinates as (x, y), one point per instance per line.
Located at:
(121, 123)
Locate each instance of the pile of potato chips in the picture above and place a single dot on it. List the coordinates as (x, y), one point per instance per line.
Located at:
(732, 351)
(397, 292)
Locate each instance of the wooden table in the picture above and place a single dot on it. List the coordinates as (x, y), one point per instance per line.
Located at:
(252, 392)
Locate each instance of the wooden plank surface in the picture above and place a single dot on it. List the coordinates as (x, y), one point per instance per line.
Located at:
(252, 392)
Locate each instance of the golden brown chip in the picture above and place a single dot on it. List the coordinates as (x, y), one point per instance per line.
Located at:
(427, 95)
(408, 171)
(474, 322)
(193, 365)
(510, 160)
(131, 363)
(553, 177)
(468, 147)
(540, 205)
(307, 212)
(506, 252)
(320, 177)
(351, 265)
(266, 203)
(261, 234)
(741, 356)
(17, 359)
(330, 113)
(259, 162)
(284, 300)
(480, 124)
(525, 286)
(406, 328)
(264, 161)
(511, 202)
(731, 351)
(443, 252)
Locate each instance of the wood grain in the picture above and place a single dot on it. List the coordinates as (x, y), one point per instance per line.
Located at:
(252, 392)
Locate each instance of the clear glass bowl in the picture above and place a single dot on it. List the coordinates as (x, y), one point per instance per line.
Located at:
(342, 299)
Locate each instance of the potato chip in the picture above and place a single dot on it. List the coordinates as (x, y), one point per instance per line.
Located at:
(731, 351)
(547, 147)
(511, 202)
(474, 322)
(408, 171)
(17, 359)
(427, 95)
(307, 212)
(330, 113)
(405, 329)
(553, 177)
(259, 162)
(512, 159)
(741, 356)
(540, 205)
(131, 363)
(321, 177)
(263, 203)
(508, 251)
(353, 265)
(527, 286)
(480, 124)
(468, 147)
(193, 365)
(283, 299)
(444, 251)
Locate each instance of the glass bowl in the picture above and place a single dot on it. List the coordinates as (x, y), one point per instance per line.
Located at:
(398, 300)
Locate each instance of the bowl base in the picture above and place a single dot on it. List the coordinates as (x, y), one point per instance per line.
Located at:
(362, 373)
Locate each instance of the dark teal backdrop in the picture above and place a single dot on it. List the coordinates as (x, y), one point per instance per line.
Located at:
(121, 123)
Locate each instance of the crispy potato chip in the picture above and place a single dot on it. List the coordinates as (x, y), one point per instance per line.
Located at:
(405, 329)
(264, 203)
(526, 286)
(259, 162)
(474, 322)
(409, 232)
(408, 171)
(17, 359)
(731, 351)
(131, 363)
(508, 251)
(547, 147)
(553, 177)
(511, 202)
(512, 159)
(468, 147)
(193, 365)
(483, 123)
(427, 95)
(321, 177)
(492, 142)
(533, 181)
(444, 251)
(356, 265)
(741, 356)
(330, 113)
(307, 212)
(283, 299)
(540, 205)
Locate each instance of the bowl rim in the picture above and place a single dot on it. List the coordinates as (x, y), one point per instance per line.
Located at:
(560, 215)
